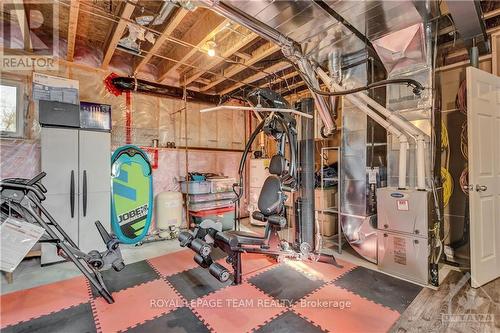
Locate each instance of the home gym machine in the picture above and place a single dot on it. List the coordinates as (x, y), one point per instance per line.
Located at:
(286, 176)
(22, 198)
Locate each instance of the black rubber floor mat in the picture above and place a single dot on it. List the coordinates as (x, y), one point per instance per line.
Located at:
(182, 320)
(381, 288)
(196, 282)
(132, 275)
(75, 319)
(288, 322)
(285, 283)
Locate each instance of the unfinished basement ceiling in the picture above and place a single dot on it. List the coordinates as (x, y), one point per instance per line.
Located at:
(178, 53)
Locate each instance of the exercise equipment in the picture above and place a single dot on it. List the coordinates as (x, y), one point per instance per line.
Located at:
(284, 177)
(131, 194)
(23, 198)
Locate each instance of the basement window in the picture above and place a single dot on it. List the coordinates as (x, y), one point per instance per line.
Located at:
(11, 110)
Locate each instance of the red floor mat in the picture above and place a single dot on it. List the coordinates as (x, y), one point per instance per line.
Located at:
(185, 298)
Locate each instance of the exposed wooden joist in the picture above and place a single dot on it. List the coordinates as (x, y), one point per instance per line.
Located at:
(257, 55)
(291, 87)
(280, 79)
(126, 13)
(199, 34)
(171, 26)
(242, 55)
(258, 76)
(23, 22)
(225, 54)
(74, 10)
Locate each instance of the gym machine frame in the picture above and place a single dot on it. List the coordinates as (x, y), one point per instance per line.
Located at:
(24, 197)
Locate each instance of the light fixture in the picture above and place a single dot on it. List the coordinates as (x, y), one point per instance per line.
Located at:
(211, 48)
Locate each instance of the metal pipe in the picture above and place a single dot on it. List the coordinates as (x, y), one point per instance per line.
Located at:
(289, 47)
(413, 131)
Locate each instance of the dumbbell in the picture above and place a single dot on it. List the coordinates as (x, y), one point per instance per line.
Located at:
(185, 238)
(219, 272)
(199, 246)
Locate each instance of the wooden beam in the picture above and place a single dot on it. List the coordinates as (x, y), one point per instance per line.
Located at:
(127, 12)
(242, 55)
(257, 55)
(281, 79)
(291, 87)
(171, 26)
(209, 25)
(74, 10)
(233, 48)
(22, 21)
(258, 76)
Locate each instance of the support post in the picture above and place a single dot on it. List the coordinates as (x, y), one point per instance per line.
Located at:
(306, 176)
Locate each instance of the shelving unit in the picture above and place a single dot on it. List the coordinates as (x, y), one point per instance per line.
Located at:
(337, 239)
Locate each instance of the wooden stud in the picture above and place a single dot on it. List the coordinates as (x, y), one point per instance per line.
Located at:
(259, 54)
(126, 14)
(258, 76)
(211, 22)
(227, 53)
(23, 22)
(74, 10)
(280, 79)
(171, 26)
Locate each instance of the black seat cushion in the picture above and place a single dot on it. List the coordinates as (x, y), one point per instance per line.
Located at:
(270, 198)
(235, 238)
(277, 166)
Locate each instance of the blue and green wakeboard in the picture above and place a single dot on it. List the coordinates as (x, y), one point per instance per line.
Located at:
(131, 194)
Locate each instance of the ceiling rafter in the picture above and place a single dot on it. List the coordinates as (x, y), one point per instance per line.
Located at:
(279, 80)
(225, 54)
(171, 26)
(126, 14)
(196, 35)
(22, 20)
(74, 10)
(257, 55)
(258, 76)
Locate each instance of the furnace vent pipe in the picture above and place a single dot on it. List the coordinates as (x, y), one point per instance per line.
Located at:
(289, 47)
(360, 100)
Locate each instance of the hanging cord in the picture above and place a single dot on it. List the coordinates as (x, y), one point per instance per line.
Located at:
(417, 86)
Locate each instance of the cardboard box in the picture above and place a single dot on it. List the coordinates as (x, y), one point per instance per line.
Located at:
(324, 199)
(327, 224)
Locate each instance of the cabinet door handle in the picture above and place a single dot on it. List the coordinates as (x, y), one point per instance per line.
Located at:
(84, 193)
(72, 193)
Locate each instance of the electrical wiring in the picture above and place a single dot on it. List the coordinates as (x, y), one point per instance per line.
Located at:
(417, 86)
(464, 181)
(447, 180)
(463, 141)
(461, 99)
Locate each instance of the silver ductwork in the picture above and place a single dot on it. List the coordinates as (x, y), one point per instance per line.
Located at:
(318, 33)
(290, 49)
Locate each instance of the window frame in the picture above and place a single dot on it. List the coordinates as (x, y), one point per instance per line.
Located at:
(19, 133)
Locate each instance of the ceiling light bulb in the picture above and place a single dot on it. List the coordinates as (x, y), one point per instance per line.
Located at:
(211, 52)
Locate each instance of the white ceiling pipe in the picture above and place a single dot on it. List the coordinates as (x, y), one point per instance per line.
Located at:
(419, 136)
(255, 108)
(403, 139)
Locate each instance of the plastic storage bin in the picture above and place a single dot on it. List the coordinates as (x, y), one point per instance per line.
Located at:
(222, 185)
(222, 215)
(195, 187)
(196, 207)
(193, 198)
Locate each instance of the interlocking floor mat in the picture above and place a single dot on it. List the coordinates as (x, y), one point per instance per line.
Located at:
(172, 293)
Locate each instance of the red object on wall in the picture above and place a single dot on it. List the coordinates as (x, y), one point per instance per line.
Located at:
(153, 156)
(128, 118)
